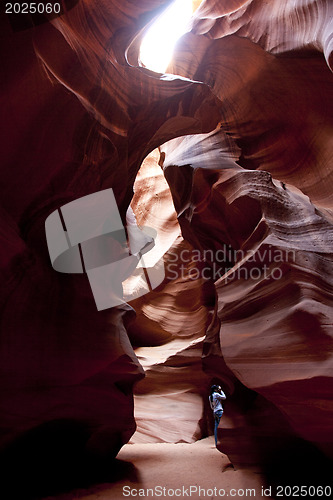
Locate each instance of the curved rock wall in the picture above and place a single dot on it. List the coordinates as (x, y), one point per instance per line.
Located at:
(76, 119)
(272, 284)
(279, 269)
(271, 279)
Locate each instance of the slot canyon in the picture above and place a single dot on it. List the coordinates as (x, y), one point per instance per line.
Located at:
(227, 159)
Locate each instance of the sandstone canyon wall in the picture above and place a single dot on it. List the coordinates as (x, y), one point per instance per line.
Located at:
(245, 137)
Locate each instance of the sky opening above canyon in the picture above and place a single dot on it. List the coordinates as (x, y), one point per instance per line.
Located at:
(158, 44)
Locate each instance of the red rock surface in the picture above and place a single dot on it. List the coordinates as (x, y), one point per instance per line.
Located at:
(78, 117)
(275, 334)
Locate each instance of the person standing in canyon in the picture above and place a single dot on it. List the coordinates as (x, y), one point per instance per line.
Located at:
(215, 400)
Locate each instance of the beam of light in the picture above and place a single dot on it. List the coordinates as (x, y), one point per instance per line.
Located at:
(158, 44)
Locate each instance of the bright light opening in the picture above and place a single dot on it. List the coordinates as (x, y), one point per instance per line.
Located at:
(157, 46)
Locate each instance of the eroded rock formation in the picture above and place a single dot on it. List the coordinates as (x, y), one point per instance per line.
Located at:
(250, 229)
(252, 192)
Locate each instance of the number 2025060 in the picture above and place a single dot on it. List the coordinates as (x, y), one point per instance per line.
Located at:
(33, 8)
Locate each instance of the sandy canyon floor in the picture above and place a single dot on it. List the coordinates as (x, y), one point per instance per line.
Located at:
(182, 470)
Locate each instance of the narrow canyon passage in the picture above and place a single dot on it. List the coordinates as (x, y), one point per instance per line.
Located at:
(160, 233)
